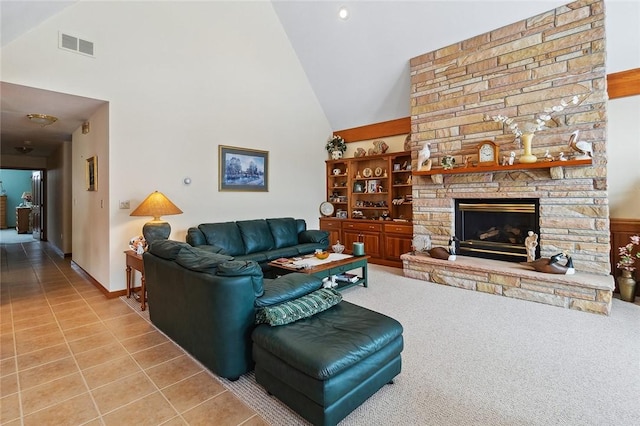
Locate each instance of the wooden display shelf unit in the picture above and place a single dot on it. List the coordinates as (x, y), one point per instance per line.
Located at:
(372, 197)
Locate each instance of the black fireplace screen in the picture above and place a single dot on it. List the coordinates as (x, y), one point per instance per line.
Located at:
(496, 228)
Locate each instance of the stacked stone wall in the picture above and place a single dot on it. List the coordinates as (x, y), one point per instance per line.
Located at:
(518, 71)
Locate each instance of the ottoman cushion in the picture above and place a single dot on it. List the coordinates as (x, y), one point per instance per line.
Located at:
(325, 366)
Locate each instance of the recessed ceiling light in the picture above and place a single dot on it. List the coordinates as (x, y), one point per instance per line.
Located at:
(42, 119)
(343, 13)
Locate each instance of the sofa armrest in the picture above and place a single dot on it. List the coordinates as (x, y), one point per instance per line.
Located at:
(287, 287)
(314, 236)
(195, 237)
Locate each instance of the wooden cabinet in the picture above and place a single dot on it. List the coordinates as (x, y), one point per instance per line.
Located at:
(23, 220)
(372, 199)
(384, 241)
(3, 212)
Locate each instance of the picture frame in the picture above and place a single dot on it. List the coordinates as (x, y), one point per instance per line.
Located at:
(91, 173)
(242, 169)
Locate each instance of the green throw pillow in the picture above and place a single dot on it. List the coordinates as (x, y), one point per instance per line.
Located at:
(302, 307)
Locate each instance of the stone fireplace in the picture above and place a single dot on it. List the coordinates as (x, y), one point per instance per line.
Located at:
(518, 71)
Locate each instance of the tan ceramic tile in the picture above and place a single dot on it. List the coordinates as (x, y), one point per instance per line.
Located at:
(6, 325)
(223, 410)
(33, 359)
(92, 342)
(27, 308)
(45, 317)
(38, 343)
(100, 355)
(144, 341)
(47, 372)
(138, 327)
(9, 408)
(84, 331)
(62, 299)
(7, 349)
(122, 392)
(157, 354)
(61, 307)
(35, 332)
(111, 310)
(150, 410)
(256, 421)
(173, 371)
(176, 421)
(7, 366)
(87, 317)
(193, 391)
(110, 371)
(9, 384)
(52, 393)
(70, 310)
(75, 411)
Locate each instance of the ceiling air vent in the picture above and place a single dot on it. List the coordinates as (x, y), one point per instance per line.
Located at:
(75, 44)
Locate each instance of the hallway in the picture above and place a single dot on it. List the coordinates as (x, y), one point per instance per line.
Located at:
(69, 355)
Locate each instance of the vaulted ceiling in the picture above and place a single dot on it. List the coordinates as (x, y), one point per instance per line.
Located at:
(358, 67)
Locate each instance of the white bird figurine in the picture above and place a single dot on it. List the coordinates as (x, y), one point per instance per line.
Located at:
(583, 148)
(423, 157)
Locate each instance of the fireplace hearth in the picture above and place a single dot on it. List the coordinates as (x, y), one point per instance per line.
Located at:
(496, 228)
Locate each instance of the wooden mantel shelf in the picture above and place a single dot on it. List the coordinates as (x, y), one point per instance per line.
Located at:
(555, 167)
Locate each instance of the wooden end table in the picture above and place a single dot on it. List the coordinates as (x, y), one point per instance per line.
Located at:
(134, 261)
(328, 269)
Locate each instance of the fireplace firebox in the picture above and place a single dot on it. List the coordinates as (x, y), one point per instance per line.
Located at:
(496, 228)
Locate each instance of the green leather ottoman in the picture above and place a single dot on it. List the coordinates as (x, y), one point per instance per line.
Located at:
(325, 366)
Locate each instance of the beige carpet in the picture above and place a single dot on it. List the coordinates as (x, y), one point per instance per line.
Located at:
(478, 359)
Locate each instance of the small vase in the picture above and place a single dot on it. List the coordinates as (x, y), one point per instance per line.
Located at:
(627, 286)
(527, 157)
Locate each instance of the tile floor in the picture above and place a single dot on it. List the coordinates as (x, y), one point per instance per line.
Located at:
(69, 355)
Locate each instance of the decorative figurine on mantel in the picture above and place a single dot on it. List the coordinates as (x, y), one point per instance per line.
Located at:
(551, 265)
(584, 150)
(531, 242)
(424, 162)
(448, 161)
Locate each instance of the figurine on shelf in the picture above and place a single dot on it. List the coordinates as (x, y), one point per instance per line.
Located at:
(360, 152)
(551, 265)
(448, 161)
(561, 157)
(424, 162)
(547, 156)
(531, 242)
(512, 158)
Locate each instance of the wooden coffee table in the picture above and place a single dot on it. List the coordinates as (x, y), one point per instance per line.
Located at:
(340, 263)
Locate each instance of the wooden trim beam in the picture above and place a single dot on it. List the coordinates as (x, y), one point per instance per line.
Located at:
(619, 84)
(623, 83)
(400, 126)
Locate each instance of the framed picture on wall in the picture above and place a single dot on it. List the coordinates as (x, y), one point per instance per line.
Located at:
(91, 173)
(243, 169)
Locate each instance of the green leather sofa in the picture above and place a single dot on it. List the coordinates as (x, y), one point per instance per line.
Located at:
(260, 240)
(206, 302)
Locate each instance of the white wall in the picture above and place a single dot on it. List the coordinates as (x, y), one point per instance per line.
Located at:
(622, 20)
(180, 78)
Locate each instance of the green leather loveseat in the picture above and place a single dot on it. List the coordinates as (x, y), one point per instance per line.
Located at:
(260, 240)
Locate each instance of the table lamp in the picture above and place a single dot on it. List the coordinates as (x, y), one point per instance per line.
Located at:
(26, 198)
(156, 205)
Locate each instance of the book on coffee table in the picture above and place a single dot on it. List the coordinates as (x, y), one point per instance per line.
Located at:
(347, 278)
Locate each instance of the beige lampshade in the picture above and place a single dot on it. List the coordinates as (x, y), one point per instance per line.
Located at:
(156, 205)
